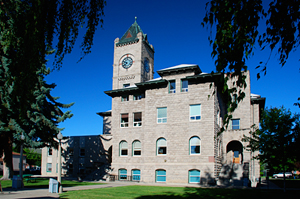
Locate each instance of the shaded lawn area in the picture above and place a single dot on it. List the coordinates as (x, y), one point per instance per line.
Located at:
(44, 183)
(156, 192)
(289, 183)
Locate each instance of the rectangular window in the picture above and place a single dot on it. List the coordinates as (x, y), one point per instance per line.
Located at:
(235, 124)
(56, 167)
(194, 176)
(184, 85)
(162, 115)
(82, 152)
(125, 98)
(160, 176)
(172, 86)
(49, 167)
(50, 151)
(124, 120)
(136, 175)
(126, 85)
(138, 97)
(122, 174)
(137, 119)
(195, 112)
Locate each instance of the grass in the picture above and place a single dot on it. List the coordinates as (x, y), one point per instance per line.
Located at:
(156, 192)
(44, 183)
(289, 183)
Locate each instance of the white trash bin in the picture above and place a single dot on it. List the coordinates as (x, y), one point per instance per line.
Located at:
(53, 185)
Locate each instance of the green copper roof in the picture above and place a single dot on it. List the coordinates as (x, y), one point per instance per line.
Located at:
(130, 35)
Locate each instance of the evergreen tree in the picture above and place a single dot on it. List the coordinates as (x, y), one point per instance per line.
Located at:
(27, 32)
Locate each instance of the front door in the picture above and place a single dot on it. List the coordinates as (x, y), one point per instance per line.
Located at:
(236, 157)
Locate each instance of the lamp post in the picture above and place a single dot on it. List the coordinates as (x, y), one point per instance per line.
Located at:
(59, 137)
(22, 138)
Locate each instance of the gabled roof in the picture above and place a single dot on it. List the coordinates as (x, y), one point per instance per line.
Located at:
(130, 35)
(182, 68)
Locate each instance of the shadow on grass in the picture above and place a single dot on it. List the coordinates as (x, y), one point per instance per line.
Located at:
(289, 183)
(210, 193)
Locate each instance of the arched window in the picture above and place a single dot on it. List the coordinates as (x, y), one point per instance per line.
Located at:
(123, 148)
(136, 148)
(136, 175)
(194, 176)
(194, 145)
(161, 146)
(122, 174)
(160, 175)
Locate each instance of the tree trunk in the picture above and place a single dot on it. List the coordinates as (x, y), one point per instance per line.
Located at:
(7, 158)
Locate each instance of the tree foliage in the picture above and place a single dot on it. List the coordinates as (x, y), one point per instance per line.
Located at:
(234, 35)
(29, 31)
(277, 139)
(32, 157)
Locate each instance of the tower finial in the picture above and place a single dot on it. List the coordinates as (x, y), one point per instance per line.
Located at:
(135, 19)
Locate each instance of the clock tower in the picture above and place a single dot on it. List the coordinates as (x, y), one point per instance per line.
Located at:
(133, 58)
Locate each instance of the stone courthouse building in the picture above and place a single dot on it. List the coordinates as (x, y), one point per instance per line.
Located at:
(165, 130)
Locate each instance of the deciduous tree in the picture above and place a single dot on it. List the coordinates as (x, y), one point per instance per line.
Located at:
(234, 35)
(275, 140)
(29, 31)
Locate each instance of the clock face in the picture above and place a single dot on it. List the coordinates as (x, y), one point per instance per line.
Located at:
(146, 65)
(127, 62)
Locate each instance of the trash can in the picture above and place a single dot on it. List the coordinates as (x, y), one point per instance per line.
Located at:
(53, 185)
(16, 182)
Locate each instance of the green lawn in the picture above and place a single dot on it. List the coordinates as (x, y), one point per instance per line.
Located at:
(156, 192)
(44, 183)
(289, 183)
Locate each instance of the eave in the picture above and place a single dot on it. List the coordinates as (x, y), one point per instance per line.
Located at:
(180, 70)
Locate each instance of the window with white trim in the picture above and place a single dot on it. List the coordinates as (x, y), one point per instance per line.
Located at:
(161, 146)
(162, 115)
(123, 148)
(136, 175)
(137, 119)
(194, 145)
(195, 112)
(124, 120)
(160, 175)
(122, 174)
(136, 148)
(49, 167)
(184, 85)
(235, 124)
(172, 86)
(194, 176)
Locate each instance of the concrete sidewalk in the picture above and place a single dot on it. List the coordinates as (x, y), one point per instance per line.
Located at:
(29, 193)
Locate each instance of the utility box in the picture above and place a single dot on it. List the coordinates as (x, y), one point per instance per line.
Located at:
(16, 182)
(53, 185)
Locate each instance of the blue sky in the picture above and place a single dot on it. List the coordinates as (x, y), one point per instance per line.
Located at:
(174, 29)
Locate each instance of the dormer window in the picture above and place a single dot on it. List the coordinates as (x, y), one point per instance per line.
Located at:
(126, 85)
